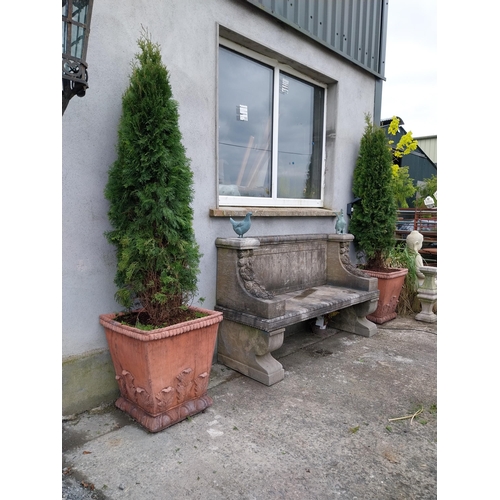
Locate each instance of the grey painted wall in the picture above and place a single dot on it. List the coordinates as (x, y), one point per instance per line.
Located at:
(188, 34)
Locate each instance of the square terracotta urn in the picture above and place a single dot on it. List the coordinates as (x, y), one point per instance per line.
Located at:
(163, 374)
(390, 284)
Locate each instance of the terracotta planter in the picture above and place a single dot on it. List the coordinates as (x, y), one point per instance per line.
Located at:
(390, 283)
(163, 374)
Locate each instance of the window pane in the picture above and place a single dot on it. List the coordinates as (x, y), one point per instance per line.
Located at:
(77, 37)
(64, 36)
(245, 126)
(80, 8)
(300, 140)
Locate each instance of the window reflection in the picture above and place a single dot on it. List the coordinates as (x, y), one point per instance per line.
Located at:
(246, 135)
(244, 144)
(300, 134)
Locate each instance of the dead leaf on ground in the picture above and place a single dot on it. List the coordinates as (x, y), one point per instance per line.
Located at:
(389, 455)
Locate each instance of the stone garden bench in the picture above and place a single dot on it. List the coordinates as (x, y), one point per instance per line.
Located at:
(268, 283)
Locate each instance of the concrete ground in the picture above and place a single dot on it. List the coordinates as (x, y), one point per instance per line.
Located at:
(354, 418)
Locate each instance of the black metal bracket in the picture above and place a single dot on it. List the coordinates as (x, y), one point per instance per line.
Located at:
(350, 206)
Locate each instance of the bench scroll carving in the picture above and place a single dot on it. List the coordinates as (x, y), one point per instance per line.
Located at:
(247, 274)
(346, 261)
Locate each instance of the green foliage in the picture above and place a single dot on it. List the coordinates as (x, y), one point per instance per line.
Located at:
(374, 218)
(401, 257)
(428, 188)
(150, 191)
(403, 185)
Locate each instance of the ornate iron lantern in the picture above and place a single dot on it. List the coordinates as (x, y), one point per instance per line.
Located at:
(76, 15)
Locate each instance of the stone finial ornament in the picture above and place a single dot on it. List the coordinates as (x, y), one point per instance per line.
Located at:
(341, 224)
(241, 227)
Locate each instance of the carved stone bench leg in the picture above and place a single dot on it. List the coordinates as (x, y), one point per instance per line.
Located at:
(248, 351)
(353, 319)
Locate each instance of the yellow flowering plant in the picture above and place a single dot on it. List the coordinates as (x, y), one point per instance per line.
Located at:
(402, 183)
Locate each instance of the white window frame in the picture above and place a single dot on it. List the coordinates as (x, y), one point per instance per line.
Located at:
(274, 201)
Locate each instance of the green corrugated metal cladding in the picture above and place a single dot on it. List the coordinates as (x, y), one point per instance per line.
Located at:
(355, 29)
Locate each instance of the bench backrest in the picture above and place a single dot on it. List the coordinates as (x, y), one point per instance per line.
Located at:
(289, 263)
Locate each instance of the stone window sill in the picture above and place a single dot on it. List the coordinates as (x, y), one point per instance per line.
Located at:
(271, 212)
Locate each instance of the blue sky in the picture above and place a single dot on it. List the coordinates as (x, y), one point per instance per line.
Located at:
(410, 89)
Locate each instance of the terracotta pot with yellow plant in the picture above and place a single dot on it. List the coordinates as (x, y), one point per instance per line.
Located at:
(374, 220)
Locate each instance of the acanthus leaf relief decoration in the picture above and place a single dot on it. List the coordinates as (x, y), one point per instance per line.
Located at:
(346, 261)
(187, 387)
(142, 397)
(166, 397)
(127, 386)
(247, 274)
(184, 383)
(391, 306)
(201, 384)
(130, 391)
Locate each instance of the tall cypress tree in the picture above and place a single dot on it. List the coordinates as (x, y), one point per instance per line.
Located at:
(373, 221)
(150, 190)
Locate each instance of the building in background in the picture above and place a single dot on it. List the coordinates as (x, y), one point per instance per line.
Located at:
(428, 145)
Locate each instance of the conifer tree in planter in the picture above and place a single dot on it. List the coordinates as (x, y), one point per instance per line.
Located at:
(162, 358)
(373, 221)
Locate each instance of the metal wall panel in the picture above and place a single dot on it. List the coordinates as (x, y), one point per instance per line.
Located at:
(429, 146)
(355, 29)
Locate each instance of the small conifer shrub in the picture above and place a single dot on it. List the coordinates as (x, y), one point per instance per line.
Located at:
(150, 190)
(374, 219)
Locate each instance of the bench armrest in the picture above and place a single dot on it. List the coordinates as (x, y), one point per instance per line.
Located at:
(237, 285)
(340, 270)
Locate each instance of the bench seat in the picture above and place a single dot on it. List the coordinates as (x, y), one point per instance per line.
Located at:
(303, 305)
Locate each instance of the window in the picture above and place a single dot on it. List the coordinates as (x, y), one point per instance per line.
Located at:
(271, 133)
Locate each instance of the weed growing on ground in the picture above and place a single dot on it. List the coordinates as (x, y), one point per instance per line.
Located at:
(420, 413)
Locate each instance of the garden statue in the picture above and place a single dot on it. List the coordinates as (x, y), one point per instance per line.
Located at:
(341, 224)
(241, 227)
(414, 243)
